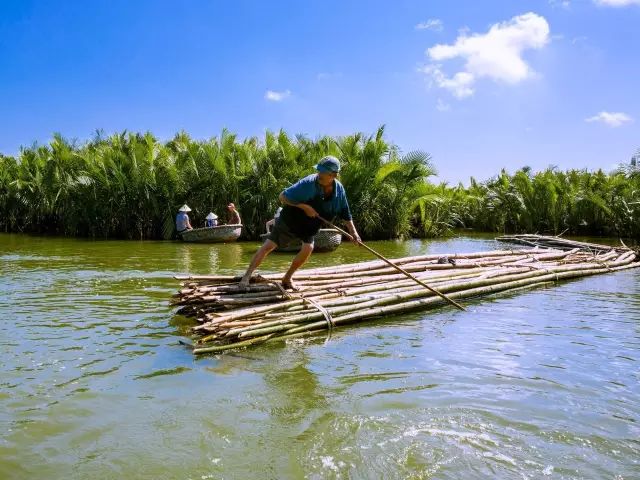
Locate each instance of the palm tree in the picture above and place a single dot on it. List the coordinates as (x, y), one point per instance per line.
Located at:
(129, 185)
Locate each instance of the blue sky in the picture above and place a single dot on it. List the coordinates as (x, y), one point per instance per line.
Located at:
(480, 85)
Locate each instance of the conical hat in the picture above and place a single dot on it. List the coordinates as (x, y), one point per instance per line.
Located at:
(211, 216)
(184, 208)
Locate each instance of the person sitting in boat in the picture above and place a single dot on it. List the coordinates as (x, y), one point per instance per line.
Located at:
(182, 219)
(317, 195)
(272, 222)
(211, 220)
(233, 217)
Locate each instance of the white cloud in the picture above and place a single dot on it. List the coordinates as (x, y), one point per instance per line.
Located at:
(459, 85)
(617, 3)
(274, 96)
(566, 4)
(434, 24)
(496, 54)
(442, 106)
(613, 119)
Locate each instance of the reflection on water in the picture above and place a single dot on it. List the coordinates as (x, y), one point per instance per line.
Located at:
(543, 384)
(208, 258)
(185, 257)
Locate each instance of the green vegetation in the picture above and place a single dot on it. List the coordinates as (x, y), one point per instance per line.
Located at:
(130, 186)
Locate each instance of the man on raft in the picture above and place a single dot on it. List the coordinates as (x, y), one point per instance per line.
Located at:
(317, 195)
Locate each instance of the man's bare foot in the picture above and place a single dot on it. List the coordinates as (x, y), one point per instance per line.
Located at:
(287, 284)
(244, 282)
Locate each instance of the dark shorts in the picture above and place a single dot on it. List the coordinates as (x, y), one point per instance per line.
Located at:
(282, 235)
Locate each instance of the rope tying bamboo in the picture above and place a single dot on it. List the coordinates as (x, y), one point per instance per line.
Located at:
(324, 311)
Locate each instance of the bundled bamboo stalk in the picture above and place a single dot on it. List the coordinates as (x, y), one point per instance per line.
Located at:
(557, 242)
(230, 317)
(361, 266)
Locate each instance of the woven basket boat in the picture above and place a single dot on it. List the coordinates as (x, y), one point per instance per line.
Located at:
(326, 240)
(222, 233)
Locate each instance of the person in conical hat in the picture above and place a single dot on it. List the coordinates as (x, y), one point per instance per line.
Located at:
(182, 219)
(211, 220)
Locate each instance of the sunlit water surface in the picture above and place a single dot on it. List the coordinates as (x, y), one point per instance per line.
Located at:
(539, 384)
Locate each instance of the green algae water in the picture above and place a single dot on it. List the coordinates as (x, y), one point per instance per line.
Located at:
(540, 384)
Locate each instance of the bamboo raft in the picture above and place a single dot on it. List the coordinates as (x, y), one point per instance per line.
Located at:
(330, 297)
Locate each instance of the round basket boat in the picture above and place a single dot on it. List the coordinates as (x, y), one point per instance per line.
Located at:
(326, 240)
(222, 233)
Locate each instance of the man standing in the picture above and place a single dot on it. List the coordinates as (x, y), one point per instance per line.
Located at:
(317, 195)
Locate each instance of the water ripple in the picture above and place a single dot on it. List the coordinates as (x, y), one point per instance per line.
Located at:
(539, 384)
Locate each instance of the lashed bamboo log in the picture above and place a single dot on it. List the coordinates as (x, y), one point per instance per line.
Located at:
(332, 296)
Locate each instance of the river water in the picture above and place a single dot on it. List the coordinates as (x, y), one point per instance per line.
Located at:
(539, 384)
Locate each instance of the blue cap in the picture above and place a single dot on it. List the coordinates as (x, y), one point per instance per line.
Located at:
(328, 164)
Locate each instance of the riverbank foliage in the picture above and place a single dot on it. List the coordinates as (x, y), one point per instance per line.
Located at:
(130, 185)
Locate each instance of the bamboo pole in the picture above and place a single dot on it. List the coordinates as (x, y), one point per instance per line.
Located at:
(397, 267)
(221, 348)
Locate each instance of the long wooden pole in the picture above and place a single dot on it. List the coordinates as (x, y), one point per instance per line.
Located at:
(397, 267)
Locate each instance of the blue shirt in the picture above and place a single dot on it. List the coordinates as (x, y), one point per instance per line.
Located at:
(309, 191)
(181, 221)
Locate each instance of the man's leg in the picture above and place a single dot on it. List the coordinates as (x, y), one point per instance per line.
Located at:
(267, 247)
(299, 260)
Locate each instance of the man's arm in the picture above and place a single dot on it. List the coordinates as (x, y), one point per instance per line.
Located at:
(345, 214)
(352, 230)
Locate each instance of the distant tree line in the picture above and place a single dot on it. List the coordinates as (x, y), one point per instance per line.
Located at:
(130, 185)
